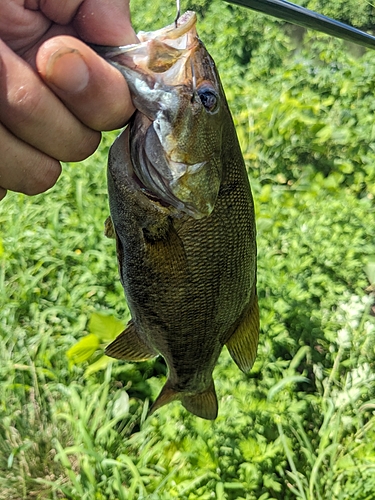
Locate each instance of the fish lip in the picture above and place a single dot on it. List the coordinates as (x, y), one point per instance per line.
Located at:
(178, 43)
(169, 34)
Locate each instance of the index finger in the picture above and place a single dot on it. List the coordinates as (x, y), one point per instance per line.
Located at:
(96, 21)
(105, 23)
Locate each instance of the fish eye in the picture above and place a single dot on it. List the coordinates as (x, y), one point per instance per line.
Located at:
(208, 98)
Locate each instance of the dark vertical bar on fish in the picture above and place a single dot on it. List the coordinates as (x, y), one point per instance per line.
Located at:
(301, 16)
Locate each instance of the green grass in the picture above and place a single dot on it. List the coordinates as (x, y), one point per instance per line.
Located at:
(301, 425)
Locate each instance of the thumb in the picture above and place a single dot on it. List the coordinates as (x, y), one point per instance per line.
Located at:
(94, 91)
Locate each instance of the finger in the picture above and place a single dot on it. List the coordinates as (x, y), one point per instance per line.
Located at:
(20, 26)
(105, 23)
(36, 115)
(61, 12)
(23, 168)
(94, 91)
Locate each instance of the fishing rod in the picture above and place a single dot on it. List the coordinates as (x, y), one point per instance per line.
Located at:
(301, 16)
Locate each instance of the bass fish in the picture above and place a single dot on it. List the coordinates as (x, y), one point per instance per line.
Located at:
(183, 217)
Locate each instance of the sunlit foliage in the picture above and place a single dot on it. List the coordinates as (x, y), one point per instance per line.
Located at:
(301, 425)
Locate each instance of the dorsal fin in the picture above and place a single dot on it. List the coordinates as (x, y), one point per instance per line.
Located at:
(129, 346)
(243, 343)
(203, 404)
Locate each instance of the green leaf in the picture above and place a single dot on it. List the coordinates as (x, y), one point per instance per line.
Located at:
(83, 349)
(270, 482)
(370, 271)
(100, 364)
(324, 134)
(105, 327)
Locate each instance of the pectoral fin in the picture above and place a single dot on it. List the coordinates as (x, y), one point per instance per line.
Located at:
(129, 346)
(243, 343)
(203, 404)
(109, 230)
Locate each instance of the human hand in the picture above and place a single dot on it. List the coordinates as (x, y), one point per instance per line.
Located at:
(56, 94)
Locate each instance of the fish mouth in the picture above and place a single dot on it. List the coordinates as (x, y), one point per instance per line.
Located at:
(162, 72)
(160, 56)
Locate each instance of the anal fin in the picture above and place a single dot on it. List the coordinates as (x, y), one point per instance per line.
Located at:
(243, 343)
(129, 346)
(203, 404)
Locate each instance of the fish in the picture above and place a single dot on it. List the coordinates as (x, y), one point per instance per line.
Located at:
(182, 213)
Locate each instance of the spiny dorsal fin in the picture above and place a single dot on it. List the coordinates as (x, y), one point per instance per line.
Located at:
(202, 404)
(243, 343)
(129, 346)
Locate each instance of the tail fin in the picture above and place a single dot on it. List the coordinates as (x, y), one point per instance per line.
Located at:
(202, 404)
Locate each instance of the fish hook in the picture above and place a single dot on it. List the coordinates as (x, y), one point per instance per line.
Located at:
(178, 13)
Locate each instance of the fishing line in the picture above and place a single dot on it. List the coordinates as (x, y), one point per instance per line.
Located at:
(178, 13)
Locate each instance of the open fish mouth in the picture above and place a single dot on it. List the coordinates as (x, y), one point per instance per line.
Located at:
(157, 51)
(161, 58)
(164, 72)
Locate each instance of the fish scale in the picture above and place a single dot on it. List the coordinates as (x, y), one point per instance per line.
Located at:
(185, 232)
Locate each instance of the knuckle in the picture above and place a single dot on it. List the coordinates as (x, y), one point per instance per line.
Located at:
(24, 104)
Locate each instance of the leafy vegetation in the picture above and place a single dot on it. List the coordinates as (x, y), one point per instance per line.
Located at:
(301, 425)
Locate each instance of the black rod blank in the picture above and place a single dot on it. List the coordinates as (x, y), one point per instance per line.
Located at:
(301, 16)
